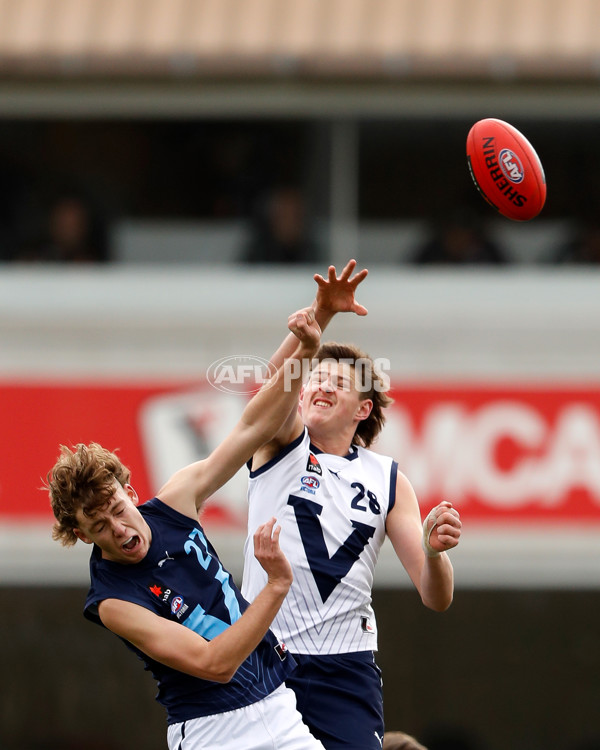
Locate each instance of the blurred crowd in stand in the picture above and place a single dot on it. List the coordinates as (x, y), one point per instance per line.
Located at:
(462, 239)
(71, 231)
(459, 239)
(280, 232)
(272, 178)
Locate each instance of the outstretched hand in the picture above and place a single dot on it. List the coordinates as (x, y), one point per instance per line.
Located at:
(336, 293)
(303, 324)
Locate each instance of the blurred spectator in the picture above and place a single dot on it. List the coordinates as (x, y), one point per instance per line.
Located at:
(280, 233)
(584, 248)
(400, 741)
(459, 240)
(70, 236)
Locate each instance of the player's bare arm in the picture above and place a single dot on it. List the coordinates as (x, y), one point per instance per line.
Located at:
(432, 573)
(180, 648)
(262, 418)
(335, 294)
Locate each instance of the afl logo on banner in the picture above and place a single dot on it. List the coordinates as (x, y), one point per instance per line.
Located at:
(242, 373)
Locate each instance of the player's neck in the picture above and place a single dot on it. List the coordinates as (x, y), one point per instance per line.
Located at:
(335, 445)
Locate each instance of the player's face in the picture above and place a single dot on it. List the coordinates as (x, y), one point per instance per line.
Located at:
(118, 528)
(331, 397)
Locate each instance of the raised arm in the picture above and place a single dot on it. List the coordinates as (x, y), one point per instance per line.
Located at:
(180, 648)
(334, 294)
(262, 418)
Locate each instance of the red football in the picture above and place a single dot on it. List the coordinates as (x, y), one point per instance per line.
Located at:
(506, 169)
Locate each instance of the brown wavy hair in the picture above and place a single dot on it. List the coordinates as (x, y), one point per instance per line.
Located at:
(82, 478)
(368, 429)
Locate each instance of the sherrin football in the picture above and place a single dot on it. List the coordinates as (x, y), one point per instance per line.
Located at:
(506, 169)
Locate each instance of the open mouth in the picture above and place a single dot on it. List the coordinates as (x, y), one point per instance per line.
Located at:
(321, 403)
(132, 543)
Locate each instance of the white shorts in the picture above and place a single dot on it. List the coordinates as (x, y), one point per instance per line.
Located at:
(272, 723)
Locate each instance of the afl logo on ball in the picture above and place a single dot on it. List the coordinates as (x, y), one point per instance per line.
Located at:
(511, 166)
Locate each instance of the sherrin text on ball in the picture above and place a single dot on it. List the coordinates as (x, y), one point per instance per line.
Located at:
(506, 169)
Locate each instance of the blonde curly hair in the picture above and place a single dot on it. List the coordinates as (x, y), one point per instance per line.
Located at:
(83, 478)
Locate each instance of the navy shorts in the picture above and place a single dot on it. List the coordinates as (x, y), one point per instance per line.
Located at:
(340, 699)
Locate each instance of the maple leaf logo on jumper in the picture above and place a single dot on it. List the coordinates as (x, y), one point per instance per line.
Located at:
(313, 465)
(156, 589)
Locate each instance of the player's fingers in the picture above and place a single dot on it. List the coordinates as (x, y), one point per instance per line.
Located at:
(446, 542)
(258, 546)
(262, 536)
(447, 535)
(302, 318)
(447, 522)
(445, 508)
(449, 542)
(358, 277)
(448, 529)
(265, 529)
(452, 515)
(347, 270)
(275, 536)
(258, 534)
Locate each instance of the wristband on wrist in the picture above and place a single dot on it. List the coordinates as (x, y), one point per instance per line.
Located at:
(427, 548)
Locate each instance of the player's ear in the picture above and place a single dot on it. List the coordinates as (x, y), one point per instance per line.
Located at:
(301, 397)
(133, 496)
(81, 536)
(364, 409)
